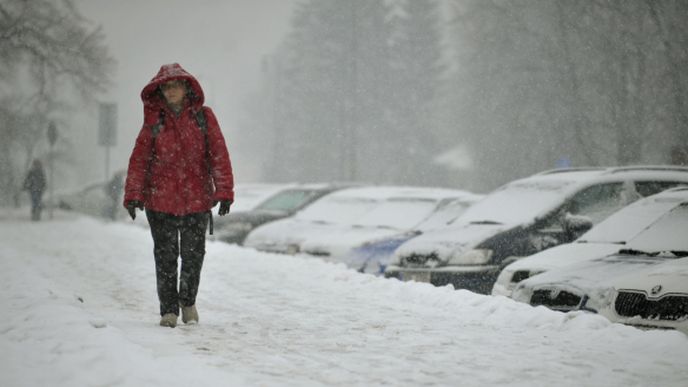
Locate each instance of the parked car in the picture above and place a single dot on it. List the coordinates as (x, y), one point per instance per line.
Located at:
(373, 257)
(653, 298)
(345, 219)
(235, 227)
(605, 238)
(589, 285)
(401, 212)
(90, 200)
(249, 195)
(522, 218)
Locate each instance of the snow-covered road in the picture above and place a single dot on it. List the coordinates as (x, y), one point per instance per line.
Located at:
(80, 309)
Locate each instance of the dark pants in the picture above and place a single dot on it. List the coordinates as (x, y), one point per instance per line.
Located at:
(173, 235)
(36, 205)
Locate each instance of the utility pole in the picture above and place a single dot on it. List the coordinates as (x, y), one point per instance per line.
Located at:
(107, 132)
(352, 116)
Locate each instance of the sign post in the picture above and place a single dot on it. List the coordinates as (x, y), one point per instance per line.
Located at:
(52, 139)
(107, 133)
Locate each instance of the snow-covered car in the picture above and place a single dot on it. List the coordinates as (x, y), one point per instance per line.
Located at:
(590, 285)
(522, 218)
(249, 195)
(656, 297)
(330, 227)
(91, 200)
(605, 238)
(234, 227)
(373, 257)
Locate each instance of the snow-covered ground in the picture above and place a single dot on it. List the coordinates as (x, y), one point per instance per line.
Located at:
(80, 309)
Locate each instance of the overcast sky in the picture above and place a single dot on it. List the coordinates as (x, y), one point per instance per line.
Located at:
(221, 42)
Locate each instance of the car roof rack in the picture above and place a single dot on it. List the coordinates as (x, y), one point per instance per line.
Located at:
(571, 169)
(676, 168)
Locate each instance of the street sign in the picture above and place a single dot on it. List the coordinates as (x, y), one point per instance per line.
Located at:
(52, 133)
(107, 134)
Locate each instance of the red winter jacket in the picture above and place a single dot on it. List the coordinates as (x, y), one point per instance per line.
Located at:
(169, 173)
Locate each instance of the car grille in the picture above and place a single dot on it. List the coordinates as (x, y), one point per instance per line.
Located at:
(671, 308)
(520, 275)
(480, 282)
(554, 299)
(416, 260)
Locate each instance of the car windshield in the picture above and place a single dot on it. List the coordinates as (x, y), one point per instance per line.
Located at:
(518, 202)
(445, 215)
(666, 235)
(335, 209)
(629, 221)
(398, 213)
(288, 201)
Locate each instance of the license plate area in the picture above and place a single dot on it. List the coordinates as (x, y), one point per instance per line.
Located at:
(420, 276)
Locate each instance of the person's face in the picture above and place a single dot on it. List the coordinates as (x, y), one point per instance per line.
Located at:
(174, 92)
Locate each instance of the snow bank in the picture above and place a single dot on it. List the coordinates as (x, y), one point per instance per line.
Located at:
(83, 311)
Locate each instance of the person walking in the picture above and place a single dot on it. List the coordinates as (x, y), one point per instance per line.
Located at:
(178, 170)
(35, 184)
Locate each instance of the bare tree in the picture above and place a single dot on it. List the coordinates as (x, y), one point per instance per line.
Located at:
(46, 49)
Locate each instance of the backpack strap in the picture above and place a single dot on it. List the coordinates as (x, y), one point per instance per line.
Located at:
(203, 124)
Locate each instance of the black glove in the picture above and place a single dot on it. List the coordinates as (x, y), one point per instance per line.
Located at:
(224, 207)
(132, 206)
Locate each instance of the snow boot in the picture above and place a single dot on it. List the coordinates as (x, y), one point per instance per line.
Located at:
(189, 314)
(168, 320)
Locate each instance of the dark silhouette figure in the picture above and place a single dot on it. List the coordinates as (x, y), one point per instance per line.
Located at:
(35, 184)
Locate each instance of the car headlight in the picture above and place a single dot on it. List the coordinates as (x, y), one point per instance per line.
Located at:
(471, 257)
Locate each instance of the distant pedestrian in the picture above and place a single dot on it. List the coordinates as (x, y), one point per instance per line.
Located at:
(179, 169)
(35, 184)
(114, 189)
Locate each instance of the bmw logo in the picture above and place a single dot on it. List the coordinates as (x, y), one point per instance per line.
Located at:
(656, 289)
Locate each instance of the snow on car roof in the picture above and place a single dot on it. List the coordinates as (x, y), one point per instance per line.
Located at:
(521, 201)
(389, 192)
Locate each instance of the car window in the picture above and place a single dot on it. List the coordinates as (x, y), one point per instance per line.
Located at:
(399, 213)
(647, 188)
(445, 214)
(288, 200)
(598, 202)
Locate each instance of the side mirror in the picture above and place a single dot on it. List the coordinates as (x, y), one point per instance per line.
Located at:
(575, 225)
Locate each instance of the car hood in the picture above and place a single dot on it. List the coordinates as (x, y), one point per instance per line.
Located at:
(551, 259)
(448, 242)
(592, 278)
(564, 255)
(253, 217)
(339, 241)
(657, 281)
(282, 232)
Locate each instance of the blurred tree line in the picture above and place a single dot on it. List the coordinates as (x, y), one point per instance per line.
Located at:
(382, 90)
(48, 55)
